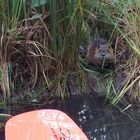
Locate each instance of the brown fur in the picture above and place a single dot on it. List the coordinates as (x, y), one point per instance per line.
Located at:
(99, 52)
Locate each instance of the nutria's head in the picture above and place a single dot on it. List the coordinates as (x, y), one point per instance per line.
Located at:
(100, 51)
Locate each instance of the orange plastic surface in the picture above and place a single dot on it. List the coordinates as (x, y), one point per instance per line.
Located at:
(44, 124)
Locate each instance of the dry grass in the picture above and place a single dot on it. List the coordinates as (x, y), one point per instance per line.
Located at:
(41, 44)
(41, 48)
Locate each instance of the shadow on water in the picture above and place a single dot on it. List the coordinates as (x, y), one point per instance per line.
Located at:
(97, 120)
(100, 122)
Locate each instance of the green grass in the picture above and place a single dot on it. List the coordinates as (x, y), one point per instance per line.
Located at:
(40, 44)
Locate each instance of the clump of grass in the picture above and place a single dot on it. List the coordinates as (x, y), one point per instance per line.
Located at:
(126, 29)
(9, 16)
(40, 44)
(118, 21)
(23, 48)
(67, 20)
(130, 33)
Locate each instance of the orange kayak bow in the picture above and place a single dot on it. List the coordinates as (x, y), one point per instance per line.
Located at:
(47, 124)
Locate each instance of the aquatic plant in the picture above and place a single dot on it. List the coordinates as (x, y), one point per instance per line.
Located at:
(40, 43)
(118, 22)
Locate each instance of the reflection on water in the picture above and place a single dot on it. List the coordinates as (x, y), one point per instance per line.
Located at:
(100, 122)
(97, 121)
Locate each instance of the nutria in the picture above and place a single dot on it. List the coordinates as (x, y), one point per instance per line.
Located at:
(100, 53)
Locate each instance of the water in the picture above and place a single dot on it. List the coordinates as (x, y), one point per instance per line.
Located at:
(97, 120)
(100, 122)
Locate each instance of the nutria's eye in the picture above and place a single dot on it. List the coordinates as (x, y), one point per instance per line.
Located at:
(98, 46)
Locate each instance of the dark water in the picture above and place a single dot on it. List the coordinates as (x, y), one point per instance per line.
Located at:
(97, 120)
(100, 122)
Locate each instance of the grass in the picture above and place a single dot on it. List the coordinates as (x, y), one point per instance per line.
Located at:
(121, 27)
(130, 33)
(40, 45)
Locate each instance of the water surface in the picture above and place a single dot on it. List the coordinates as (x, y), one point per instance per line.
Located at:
(98, 120)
